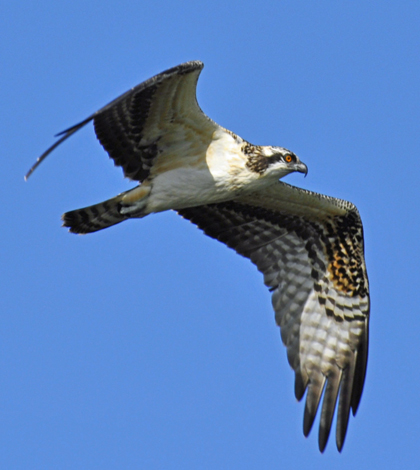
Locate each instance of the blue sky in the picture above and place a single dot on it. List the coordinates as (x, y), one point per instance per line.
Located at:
(149, 345)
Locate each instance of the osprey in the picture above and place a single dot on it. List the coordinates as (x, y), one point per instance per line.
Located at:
(309, 247)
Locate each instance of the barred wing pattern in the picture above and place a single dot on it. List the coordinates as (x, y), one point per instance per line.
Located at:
(143, 128)
(310, 249)
(155, 122)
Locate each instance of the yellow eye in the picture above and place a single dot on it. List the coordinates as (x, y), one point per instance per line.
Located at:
(288, 158)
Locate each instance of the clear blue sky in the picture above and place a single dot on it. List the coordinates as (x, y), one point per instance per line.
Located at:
(149, 345)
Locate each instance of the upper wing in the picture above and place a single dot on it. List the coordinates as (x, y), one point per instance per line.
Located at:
(157, 118)
(310, 249)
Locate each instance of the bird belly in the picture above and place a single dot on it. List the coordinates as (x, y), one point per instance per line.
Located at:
(186, 187)
(217, 174)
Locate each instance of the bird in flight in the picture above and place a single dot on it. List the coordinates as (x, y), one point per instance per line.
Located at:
(308, 246)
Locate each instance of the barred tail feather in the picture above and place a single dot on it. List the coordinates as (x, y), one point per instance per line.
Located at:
(96, 217)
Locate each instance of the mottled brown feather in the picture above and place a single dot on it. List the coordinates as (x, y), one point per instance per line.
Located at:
(293, 237)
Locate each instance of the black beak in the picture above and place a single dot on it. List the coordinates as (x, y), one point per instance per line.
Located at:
(302, 168)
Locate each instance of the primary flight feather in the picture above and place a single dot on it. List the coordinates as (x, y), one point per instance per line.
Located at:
(309, 247)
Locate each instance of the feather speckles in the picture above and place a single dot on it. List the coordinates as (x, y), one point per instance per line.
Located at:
(256, 161)
(345, 252)
(312, 261)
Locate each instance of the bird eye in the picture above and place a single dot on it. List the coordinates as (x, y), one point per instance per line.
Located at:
(288, 158)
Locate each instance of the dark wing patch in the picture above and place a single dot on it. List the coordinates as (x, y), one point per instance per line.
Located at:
(153, 120)
(323, 324)
(120, 131)
(131, 128)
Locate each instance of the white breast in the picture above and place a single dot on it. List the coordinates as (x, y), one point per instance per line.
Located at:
(219, 174)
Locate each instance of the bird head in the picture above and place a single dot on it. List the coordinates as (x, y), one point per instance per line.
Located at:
(275, 161)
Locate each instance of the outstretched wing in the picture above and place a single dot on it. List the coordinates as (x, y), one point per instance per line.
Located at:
(153, 121)
(310, 249)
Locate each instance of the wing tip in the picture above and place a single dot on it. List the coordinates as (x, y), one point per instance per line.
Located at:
(313, 398)
(300, 385)
(328, 407)
(360, 371)
(63, 136)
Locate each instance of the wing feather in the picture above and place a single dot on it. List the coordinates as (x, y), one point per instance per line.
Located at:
(313, 397)
(360, 372)
(328, 406)
(344, 402)
(158, 119)
(150, 122)
(309, 248)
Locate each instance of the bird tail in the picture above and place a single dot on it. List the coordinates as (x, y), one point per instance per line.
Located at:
(96, 217)
(113, 211)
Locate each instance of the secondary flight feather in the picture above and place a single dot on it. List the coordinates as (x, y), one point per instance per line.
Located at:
(309, 247)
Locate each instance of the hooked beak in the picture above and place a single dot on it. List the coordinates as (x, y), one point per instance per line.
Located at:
(301, 168)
